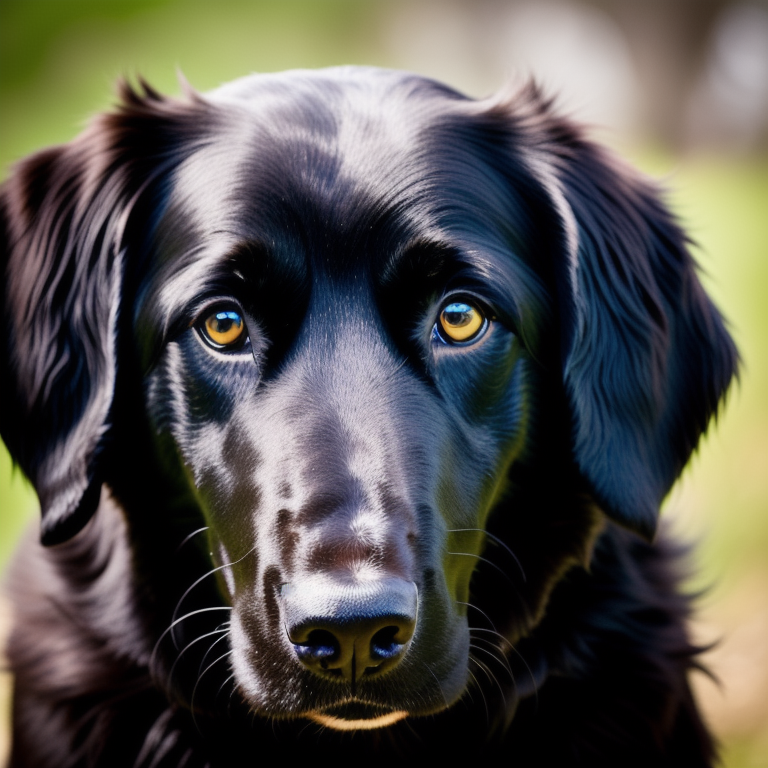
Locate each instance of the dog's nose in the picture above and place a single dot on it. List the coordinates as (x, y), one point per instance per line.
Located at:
(350, 631)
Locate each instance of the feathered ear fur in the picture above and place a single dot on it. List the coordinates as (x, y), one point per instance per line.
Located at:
(646, 355)
(64, 214)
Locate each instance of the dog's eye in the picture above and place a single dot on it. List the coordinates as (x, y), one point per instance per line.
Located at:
(224, 329)
(461, 323)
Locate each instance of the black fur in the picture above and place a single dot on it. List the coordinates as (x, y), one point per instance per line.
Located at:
(345, 515)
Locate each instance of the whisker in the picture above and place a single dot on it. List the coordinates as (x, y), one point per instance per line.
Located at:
(504, 640)
(481, 692)
(189, 536)
(199, 679)
(206, 575)
(439, 684)
(308, 724)
(213, 644)
(183, 618)
(515, 651)
(221, 688)
(485, 560)
(501, 660)
(501, 657)
(496, 540)
(408, 725)
(482, 612)
(190, 644)
(491, 676)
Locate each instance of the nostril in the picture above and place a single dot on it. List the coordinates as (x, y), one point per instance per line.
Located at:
(384, 645)
(338, 630)
(321, 647)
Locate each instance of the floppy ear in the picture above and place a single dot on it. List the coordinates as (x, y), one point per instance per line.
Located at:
(646, 355)
(65, 213)
(60, 305)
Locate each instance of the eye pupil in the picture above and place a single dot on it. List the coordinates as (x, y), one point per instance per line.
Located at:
(224, 329)
(461, 322)
(223, 322)
(458, 315)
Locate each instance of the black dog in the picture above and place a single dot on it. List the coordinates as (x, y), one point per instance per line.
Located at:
(350, 403)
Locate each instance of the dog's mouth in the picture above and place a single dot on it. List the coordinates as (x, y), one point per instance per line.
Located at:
(356, 716)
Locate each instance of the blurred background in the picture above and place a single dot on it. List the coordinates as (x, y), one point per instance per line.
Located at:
(679, 87)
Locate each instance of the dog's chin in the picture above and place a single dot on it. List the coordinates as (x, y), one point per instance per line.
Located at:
(356, 717)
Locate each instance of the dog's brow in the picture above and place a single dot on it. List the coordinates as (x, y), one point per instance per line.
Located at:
(425, 262)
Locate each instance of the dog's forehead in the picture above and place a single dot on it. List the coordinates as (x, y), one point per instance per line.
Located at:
(345, 106)
(335, 156)
(340, 149)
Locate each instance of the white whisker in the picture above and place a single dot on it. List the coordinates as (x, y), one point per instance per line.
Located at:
(194, 642)
(190, 536)
(496, 540)
(199, 680)
(179, 620)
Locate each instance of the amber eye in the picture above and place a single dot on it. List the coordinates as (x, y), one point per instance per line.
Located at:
(461, 322)
(224, 329)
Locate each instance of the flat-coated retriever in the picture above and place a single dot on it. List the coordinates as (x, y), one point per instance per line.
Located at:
(350, 403)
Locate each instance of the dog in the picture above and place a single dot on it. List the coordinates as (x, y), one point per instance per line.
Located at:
(350, 403)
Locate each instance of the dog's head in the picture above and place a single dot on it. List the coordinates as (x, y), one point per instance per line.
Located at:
(346, 323)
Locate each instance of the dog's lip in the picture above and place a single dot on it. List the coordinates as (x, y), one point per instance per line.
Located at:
(356, 716)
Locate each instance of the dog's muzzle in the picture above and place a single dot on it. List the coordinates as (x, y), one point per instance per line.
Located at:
(350, 630)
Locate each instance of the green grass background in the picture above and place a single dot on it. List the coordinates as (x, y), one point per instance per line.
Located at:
(58, 61)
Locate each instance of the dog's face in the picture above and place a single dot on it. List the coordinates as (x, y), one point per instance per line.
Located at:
(335, 313)
(357, 321)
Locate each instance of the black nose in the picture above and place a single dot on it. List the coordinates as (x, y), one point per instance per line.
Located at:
(348, 631)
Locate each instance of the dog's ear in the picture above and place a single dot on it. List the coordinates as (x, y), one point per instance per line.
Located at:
(60, 306)
(65, 213)
(646, 356)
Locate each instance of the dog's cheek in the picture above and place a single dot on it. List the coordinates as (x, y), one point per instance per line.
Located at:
(191, 396)
(487, 395)
(487, 392)
(194, 402)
